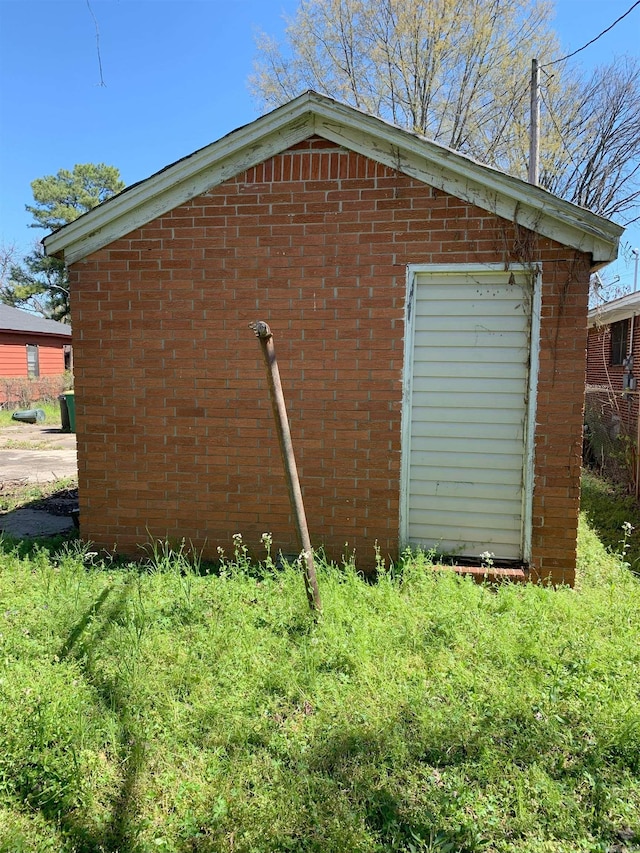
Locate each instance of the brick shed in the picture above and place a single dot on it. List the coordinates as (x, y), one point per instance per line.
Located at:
(429, 317)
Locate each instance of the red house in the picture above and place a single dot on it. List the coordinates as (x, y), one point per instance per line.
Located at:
(429, 316)
(31, 348)
(613, 367)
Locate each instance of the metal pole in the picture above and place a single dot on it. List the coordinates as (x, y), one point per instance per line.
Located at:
(534, 133)
(264, 335)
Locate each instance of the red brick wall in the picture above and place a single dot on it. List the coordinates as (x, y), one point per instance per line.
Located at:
(601, 373)
(560, 409)
(174, 424)
(599, 367)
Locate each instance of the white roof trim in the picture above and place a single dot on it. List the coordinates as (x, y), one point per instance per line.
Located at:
(618, 309)
(455, 174)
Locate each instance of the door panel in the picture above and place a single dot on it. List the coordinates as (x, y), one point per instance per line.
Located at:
(466, 411)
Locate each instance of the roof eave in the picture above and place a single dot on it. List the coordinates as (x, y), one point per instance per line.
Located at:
(181, 181)
(495, 191)
(36, 332)
(490, 189)
(612, 312)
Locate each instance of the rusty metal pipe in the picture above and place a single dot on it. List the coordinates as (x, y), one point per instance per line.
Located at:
(265, 336)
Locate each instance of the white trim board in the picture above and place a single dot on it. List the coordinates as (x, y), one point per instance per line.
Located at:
(532, 405)
(311, 113)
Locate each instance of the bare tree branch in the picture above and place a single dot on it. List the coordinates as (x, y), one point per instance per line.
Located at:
(457, 72)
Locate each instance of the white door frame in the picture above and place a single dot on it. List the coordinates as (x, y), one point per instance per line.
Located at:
(528, 473)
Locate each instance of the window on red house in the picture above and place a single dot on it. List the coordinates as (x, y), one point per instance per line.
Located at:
(619, 334)
(33, 362)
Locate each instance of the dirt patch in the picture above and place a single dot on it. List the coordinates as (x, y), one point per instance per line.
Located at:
(59, 503)
(27, 523)
(56, 496)
(29, 510)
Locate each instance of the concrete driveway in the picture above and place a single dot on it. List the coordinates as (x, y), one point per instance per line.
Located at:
(35, 453)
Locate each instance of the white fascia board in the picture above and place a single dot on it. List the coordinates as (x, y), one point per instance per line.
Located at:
(611, 312)
(453, 173)
(177, 184)
(489, 189)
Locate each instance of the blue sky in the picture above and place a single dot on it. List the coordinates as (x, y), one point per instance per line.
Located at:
(176, 79)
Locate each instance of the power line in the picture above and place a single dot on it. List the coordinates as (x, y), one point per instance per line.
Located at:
(569, 55)
(95, 22)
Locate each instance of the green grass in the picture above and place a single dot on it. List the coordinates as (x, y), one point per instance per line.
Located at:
(11, 444)
(51, 410)
(608, 507)
(159, 708)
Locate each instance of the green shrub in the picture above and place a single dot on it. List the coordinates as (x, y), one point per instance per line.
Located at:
(20, 392)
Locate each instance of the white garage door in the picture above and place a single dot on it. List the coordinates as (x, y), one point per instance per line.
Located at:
(466, 418)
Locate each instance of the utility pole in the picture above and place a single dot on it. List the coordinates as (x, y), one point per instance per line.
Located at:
(534, 125)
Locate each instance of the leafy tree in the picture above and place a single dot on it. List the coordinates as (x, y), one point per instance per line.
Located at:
(61, 198)
(457, 71)
(41, 283)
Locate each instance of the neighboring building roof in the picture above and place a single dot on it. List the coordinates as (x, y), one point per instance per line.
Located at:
(311, 113)
(17, 320)
(618, 309)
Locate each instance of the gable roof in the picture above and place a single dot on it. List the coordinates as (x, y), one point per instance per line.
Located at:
(309, 114)
(17, 320)
(618, 309)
